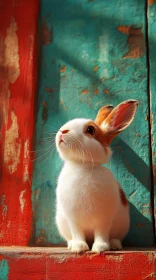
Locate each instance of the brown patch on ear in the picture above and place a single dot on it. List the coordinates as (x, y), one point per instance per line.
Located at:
(103, 114)
(119, 118)
(124, 200)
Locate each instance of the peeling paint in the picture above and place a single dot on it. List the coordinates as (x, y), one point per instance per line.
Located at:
(151, 123)
(12, 145)
(11, 55)
(9, 67)
(116, 258)
(85, 91)
(4, 207)
(62, 103)
(46, 34)
(26, 161)
(22, 200)
(136, 42)
(132, 194)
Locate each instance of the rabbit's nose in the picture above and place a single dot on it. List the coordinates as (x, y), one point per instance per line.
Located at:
(64, 131)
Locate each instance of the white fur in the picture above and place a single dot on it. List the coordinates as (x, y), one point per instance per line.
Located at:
(88, 205)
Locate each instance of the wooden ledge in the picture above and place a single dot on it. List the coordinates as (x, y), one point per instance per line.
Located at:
(36, 263)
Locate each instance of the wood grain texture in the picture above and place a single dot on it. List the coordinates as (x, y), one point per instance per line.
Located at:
(17, 91)
(46, 264)
(152, 86)
(93, 54)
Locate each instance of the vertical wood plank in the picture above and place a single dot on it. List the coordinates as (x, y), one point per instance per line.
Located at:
(93, 53)
(151, 16)
(18, 24)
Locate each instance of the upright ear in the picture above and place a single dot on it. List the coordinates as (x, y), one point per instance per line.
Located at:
(103, 114)
(119, 118)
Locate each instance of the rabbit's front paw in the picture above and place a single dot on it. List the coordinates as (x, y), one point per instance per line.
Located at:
(115, 244)
(99, 247)
(78, 246)
(70, 244)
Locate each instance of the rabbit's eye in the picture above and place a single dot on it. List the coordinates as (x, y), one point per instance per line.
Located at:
(91, 130)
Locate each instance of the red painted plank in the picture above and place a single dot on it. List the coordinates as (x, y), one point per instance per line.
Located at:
(18, 25)
(51, 264)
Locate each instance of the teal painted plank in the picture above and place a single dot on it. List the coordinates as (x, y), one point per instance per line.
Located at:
(4, 270)
(93, 54)
(152, 60)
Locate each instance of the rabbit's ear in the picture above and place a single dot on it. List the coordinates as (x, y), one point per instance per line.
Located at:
(103, 114)
(119, 118)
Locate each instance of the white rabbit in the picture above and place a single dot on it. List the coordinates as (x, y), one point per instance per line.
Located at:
(90, 204)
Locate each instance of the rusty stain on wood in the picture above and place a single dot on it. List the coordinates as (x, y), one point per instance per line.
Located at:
(151, 2)
(154, 173)
(44, 111)
(12, 145)
(136, 42)
(96, 91)
(106, 91)
(63, 69)
(95, 68)
(46, 34)
(42, 239)
(49, 90)
(140, 225)
(124, 29)
(85, 91)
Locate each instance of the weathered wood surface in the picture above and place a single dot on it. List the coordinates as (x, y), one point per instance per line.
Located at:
(152, 85)
(46, 264)
(93, 53)
(18, 25)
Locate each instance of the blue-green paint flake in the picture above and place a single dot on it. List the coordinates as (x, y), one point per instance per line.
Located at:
(85, 66)
(4, 270)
